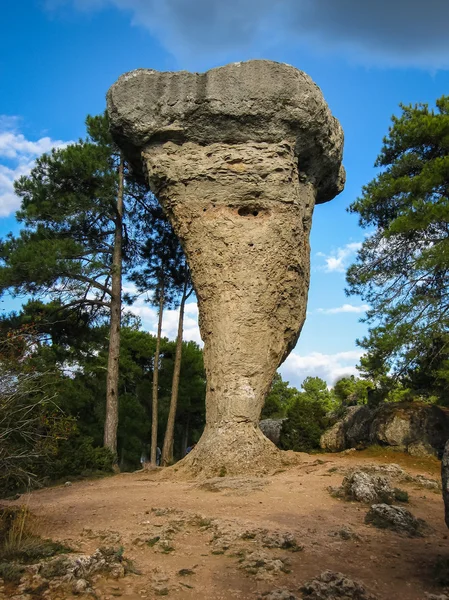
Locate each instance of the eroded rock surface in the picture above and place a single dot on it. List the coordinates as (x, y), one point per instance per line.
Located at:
(363, 487)
(396, 518)
(419, 429)
(238, 158)
(335, 586)
(271, 428)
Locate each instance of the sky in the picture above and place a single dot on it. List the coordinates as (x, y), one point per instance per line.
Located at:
(59, 57)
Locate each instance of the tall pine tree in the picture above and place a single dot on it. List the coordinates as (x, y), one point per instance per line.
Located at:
(75, 245)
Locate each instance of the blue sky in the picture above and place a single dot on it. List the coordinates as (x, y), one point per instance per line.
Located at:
(59, 57)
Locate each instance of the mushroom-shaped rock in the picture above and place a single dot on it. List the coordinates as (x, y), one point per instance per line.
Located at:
(238, 157)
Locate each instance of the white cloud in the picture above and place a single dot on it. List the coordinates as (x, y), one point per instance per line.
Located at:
(149, 317)
(295, 369)
(345, 308)
(338, 260)
(329, 367)
(17, 156)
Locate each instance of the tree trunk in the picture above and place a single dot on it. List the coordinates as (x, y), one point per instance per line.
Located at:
(185, 439)
(156, 380)
(111, 420)
(167, 450)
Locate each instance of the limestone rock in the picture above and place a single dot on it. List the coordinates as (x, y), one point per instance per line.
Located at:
(420, 429)
(364, 487)
(405, 424)
(271, 428)
(238, 157)
(262, 565)
(334, 440)
(358, 426)
(80, 586)
(334, 586)
(256, 101)
(396, 518)
(421, 449)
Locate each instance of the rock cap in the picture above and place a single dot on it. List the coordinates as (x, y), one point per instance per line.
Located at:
(257, 101)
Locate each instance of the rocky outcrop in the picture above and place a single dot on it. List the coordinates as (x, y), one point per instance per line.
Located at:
(238, 157)
(271, 428)
(420, 429)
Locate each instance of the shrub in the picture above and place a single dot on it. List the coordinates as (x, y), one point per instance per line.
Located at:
(20, 541)
(306, 421)
(77, 456)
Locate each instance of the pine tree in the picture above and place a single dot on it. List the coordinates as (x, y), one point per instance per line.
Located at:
(74, 243)
(163, 271)
(402, 269)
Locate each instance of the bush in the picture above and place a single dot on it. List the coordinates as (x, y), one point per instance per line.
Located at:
(306, 421)
(77, 456)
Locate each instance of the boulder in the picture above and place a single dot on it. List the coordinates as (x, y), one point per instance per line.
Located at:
(420, 429)
(421, 449)
(406, 424)
(271, 428)
(358, 424)
(334, 439)
(363, 487)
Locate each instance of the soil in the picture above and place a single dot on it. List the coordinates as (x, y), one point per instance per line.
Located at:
(224, 538)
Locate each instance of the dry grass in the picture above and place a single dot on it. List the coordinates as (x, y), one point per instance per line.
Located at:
(390, 455)
(19, 537)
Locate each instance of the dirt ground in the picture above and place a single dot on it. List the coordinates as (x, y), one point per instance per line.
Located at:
(208, 530)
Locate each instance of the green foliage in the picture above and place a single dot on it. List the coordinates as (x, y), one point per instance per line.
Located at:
(77, 456)
(402, 269)
(350, 391)
(279, 398)
(306, 421)
(80, 386)
(315, 391)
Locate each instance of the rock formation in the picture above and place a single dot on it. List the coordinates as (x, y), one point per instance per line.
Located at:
(271, 428)
(238, 157)
(419, 429)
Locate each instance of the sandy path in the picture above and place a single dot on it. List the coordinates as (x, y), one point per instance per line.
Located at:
(295, 500)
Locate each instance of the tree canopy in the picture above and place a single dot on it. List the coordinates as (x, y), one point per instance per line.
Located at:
(402, 269)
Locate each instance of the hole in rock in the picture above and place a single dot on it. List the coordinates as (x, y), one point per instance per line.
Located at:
(248, 211)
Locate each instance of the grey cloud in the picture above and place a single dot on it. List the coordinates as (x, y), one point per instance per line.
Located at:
(387, 32)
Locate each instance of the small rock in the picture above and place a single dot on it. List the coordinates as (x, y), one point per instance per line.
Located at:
(334, 586)
(262, 565)
(285, 541)
(363, 487)
(80, 586)
(397, 519)
(68, 483)
(421, 449)
(345, 533)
